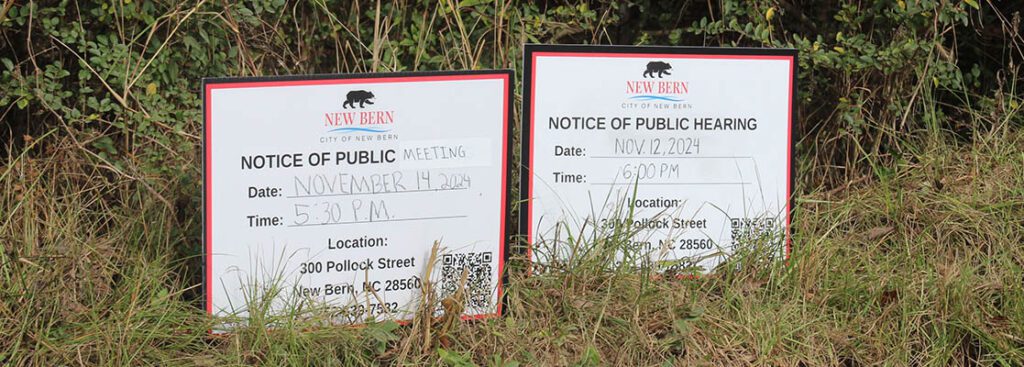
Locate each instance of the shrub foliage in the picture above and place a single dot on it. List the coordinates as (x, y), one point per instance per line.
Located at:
(99, 216)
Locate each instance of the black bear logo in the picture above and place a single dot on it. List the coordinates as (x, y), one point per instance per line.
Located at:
(659, 67)
(362, 97)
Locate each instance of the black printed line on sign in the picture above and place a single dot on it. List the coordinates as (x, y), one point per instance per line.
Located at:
(664, 157)
(374, 193)
(668, 183)
(380, 221)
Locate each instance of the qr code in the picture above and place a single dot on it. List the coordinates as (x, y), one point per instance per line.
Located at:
(479, 277)
(749, 230)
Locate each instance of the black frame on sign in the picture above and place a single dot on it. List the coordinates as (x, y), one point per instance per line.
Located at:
(526, 131)
(320, 79)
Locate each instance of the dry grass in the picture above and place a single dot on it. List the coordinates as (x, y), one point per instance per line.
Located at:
(915, 260)
(920, 267)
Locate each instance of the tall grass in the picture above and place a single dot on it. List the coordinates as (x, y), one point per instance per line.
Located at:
(906, 236)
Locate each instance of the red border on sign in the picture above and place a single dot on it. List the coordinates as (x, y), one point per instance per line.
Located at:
(533, 97)
(504, 76)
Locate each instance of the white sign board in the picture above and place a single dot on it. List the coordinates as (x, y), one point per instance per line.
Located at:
(333, 190)
(695, 141)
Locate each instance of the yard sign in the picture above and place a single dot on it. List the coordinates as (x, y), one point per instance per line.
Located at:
(327, 193)
(686, 150)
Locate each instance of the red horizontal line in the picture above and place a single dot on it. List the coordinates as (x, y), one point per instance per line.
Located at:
(374, 80)
(663, 55)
